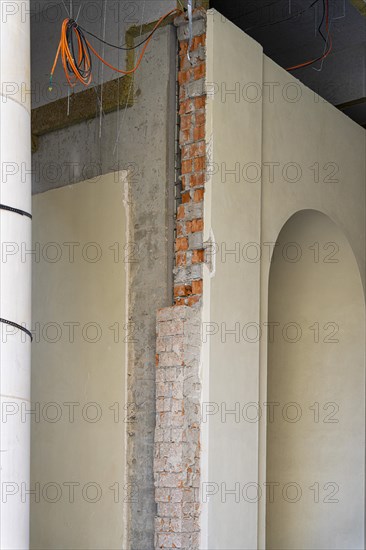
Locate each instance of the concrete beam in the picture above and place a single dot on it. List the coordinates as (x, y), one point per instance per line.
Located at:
(53, 116)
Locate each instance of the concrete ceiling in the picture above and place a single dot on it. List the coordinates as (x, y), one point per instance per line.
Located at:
(340, 79)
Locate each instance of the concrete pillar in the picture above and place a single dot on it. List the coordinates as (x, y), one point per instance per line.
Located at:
(15, 272)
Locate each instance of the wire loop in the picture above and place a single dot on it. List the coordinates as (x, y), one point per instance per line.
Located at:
(75, 51)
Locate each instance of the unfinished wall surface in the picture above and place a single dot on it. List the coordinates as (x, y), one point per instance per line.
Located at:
(108, 19)
(275, 149)
(140, 139)
(177, 465)
(79, 367)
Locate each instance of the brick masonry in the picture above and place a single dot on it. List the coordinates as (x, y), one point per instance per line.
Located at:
(177, 433)
(178, 350)
(189, 252)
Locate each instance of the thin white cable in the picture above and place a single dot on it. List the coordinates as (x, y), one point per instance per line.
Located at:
(77, 17)
(67, 11)
(129, 92)
(102, 75)
(190, 29)
(325, 49)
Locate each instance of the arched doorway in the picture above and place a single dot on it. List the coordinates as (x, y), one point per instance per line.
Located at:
(316, 390)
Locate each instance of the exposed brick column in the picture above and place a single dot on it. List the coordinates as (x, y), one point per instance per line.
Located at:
(192, 103)
(177, 434)
(178, 386)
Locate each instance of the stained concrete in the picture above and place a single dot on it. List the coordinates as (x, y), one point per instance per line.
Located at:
(141, 140)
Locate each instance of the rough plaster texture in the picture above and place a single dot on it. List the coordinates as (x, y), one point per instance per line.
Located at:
(141, 139)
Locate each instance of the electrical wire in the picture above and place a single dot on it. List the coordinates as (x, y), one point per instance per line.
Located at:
(19, 327)
(6, 321)
(245, 14)
(295, 16)
(75, 51)
(328, 42)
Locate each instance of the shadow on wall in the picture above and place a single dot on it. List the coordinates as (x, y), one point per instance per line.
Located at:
(316, 378)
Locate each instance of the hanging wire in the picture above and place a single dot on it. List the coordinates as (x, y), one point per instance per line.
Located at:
(102, 75)
(328, 42)
(75, 51)
(128, 93)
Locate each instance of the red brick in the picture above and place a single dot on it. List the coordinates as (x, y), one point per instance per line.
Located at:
(184, 76)
(200, 118)
(188, 227)
(199, 72)
(180, 229)
(193, 300)
(186, 197)
(200, 102)
(197, 287)
(179, 290)
(197, 149)
(198, 195)
(198, 133)
(197, 256)
(182, 290)
(186, 106)
(183, 48)
(182, 93)
(185, 136)
(199, 164)
(181, 243)
(197, 179)
(187, 166)
(180, 212)
(186, 152)
(185, 122)
(197, 225)
(198, 41)
(181, 259)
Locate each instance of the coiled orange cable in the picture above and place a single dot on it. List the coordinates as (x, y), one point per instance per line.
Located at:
(81, 70)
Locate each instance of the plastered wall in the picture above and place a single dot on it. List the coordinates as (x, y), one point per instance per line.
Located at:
(274, 149)
(140, 139)
(315, 436)
(79, 366)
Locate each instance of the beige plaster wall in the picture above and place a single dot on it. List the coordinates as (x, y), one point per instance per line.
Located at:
(287, 151)
(316, 378)
(78, 443)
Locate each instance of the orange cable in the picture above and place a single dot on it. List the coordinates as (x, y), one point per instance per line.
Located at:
(325, 55)
(68, 61)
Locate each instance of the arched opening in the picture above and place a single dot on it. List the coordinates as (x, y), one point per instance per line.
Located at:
(316, 390)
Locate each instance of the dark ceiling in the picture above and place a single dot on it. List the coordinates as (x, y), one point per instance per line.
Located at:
(340, 78)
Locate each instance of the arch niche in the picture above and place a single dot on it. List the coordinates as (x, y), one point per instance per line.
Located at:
(316, 382)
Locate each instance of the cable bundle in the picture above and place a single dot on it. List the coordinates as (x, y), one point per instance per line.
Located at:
(75, 50)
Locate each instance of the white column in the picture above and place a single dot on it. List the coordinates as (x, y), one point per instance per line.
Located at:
(15, 271)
